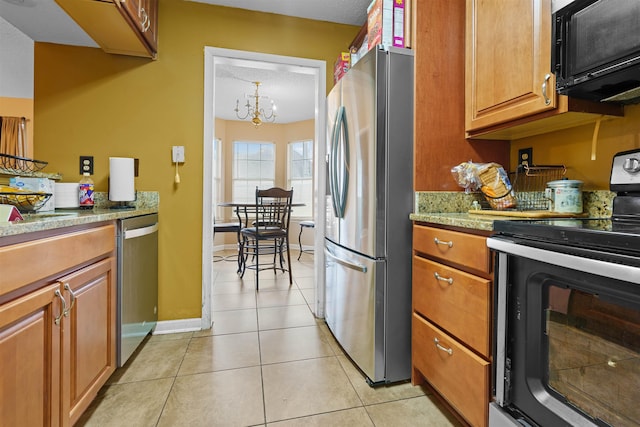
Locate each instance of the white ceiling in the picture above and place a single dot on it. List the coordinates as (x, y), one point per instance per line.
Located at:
(352, 12)
(292, 92)
(290, 88)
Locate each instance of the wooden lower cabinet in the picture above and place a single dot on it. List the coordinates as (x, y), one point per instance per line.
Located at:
(458, 374)
(456, 300)
(451, 327)
(30, 359)
(58, 337)
(89, 335)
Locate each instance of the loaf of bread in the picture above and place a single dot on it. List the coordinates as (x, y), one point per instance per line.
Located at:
(496, 187)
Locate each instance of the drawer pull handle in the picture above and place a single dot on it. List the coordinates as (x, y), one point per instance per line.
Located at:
(442, 242)
(449, 280)
(545, 83)
(441, 347)
(57, 319)
(73, 299)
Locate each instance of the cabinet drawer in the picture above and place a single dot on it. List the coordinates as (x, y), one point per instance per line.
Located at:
(466, 250)
(456, 301)
(460, 376)
(28, 262)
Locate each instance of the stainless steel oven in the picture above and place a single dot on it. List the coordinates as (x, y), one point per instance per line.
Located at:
(567, 316)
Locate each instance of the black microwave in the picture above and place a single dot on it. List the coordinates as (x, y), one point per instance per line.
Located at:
(596, 50)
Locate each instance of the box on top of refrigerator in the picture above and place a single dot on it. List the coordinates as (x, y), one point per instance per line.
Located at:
(42, 185)
(341, 66)
(385, 22)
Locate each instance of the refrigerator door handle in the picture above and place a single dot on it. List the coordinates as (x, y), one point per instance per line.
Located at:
(357, 267)
(339, 192)
(331, 162)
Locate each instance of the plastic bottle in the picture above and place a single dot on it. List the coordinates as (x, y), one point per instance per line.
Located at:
(86, 191)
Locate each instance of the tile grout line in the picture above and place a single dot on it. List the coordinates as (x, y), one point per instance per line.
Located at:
(173, 383)
(264, 400)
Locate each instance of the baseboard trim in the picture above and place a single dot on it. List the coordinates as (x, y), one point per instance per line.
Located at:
(175, 326)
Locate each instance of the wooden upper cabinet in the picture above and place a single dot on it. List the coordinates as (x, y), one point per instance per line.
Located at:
(508, 61)
(124, 27)
(510, 88)
(143, 15)
(439, 126)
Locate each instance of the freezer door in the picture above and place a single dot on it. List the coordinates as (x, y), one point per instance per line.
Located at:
(355, 307)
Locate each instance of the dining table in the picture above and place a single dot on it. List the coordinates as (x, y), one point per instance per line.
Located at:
(245, 212)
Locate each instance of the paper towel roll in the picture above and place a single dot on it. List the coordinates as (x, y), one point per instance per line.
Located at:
(121, 179)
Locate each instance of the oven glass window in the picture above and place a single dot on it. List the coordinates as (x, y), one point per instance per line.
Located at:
(594, 355)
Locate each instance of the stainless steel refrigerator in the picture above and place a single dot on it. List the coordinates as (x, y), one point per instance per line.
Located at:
(369, 199)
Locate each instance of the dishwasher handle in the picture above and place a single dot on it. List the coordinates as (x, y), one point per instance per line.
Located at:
(139, 232)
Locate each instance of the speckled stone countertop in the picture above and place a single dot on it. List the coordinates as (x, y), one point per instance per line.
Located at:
(452, 208)
(146, 203)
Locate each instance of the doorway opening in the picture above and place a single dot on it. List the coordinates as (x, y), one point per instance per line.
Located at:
(218, 57)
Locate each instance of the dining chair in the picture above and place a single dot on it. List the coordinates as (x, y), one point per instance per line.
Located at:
(225, 227)
(268, 234)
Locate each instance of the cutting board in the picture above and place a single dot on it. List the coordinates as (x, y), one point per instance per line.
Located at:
(526, 214)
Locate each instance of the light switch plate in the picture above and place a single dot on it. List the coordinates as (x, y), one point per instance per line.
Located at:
(177, 153)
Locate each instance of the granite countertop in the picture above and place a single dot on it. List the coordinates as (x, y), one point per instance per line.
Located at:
(457, 219)
(146, 203)
(452, 208)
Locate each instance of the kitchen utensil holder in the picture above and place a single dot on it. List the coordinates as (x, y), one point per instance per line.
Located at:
(529, 183)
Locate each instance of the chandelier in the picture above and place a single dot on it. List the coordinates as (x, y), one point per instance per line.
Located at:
(257, 114)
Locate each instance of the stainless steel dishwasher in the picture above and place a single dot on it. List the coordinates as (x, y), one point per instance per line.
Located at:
(137, 282)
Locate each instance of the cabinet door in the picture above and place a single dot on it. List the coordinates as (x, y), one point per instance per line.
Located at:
(132, 8)
(508, 61)
(149, 22)
(143, 16)
(89, 349)
(30, 359)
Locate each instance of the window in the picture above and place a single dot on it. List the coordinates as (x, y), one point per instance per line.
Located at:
(300, 176)
(218, 193)
(254, 165)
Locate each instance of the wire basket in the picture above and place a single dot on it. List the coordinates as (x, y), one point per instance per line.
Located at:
(25, 201)
(20, 165)
(529, 183)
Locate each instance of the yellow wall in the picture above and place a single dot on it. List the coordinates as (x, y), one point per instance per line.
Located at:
(88, 102)
(572, 147)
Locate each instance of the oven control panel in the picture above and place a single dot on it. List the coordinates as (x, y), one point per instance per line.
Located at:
(625, 171)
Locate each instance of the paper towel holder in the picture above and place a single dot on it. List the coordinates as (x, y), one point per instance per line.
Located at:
(126, 169)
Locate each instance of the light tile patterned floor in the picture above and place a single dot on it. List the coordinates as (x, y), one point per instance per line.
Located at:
(267, 361)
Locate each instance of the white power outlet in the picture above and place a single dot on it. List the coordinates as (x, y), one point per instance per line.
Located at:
(177, 153)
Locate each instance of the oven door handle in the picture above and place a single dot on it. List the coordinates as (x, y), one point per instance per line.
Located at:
(625, 273)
